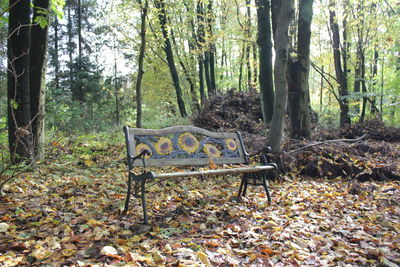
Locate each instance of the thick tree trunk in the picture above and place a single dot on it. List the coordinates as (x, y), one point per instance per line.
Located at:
(139, 110)
(298, 74)
(19, 127)
(37, 75)
(281, 49)
(162, 17)
(264, 42)
(340, 72)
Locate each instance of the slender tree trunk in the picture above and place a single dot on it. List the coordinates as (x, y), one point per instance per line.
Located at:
(162, 17)
(281, 49)
(264, 42)
(357, 76)
(139, 109)
(255, 65)
(211, 54)
(117, 119)
(19, 127)
(80, 87)
(37, 75)
(298, 74)
(201, 81)
(363, 87)
(200, 42)
(56, 57)
(248, 47)
(340, 72)
(70, 54)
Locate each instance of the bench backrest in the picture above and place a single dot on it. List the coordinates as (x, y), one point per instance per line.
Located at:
(184, 145)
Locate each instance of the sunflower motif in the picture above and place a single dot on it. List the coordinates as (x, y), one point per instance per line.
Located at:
(188, 142)
(212, 151)
(164, 146)
(231, 144)
(141, 147)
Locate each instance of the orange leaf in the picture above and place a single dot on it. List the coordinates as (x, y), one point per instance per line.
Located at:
(212, 164)
(211, 244)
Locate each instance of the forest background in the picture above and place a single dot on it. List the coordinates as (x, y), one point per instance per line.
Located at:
(111, 64)
(285, 73)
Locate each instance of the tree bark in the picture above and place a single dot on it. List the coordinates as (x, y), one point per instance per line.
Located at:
(340, 72)
(18, 100)
(139, 110)
(281, 50)
(298, 74)
(162, 17)
(264, 42)
(70, 49)
(200, 40)
(37, 75)
(56, 57)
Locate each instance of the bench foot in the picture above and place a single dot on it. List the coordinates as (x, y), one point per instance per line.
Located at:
(245, 182)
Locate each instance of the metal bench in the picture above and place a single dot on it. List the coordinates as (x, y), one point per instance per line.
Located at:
(189, 146)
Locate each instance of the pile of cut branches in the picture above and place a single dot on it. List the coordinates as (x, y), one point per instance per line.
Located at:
(362, 160)
(234, 111)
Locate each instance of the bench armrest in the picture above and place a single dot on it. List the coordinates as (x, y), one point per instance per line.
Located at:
(142, 156)
(262, 151)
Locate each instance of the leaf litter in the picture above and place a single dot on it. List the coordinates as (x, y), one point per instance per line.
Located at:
(68, 212)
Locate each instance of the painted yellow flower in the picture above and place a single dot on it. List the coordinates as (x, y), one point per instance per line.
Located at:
(188, 142)
(231, 144)
(164, 146)
(141, 147)
(212, 151)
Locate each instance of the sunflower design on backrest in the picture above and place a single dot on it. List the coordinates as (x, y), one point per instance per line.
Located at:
(164, 146)
(188, 142)
(231, 144)
(212, 151)
(141, 147)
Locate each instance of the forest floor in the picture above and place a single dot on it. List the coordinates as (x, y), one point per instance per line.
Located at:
(334, 204)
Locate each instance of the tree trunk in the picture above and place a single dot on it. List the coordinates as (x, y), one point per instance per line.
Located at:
(298, 74)
(139, 110)
(70, 54)
(37, 75)
(248, 45)
(264, 42)
(200, 42)
(211, 47)
(281, 50)
(162, 17)
(80, 87)
(56, 57)
(18, 99)
(363, 87)
(340, 72)
(357, 77)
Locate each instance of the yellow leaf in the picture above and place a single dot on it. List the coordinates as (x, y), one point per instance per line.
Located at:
(67, 252)
(41, 253)
(203, 257)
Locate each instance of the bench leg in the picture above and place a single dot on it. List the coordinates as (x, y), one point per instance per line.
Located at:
(246, 182)
(128, 195)
(241, 185)
(144, 204)
(266, 189)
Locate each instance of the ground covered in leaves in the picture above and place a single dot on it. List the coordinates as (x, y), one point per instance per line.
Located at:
(68, 212)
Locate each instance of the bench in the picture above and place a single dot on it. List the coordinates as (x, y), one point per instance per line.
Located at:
(189, 146)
